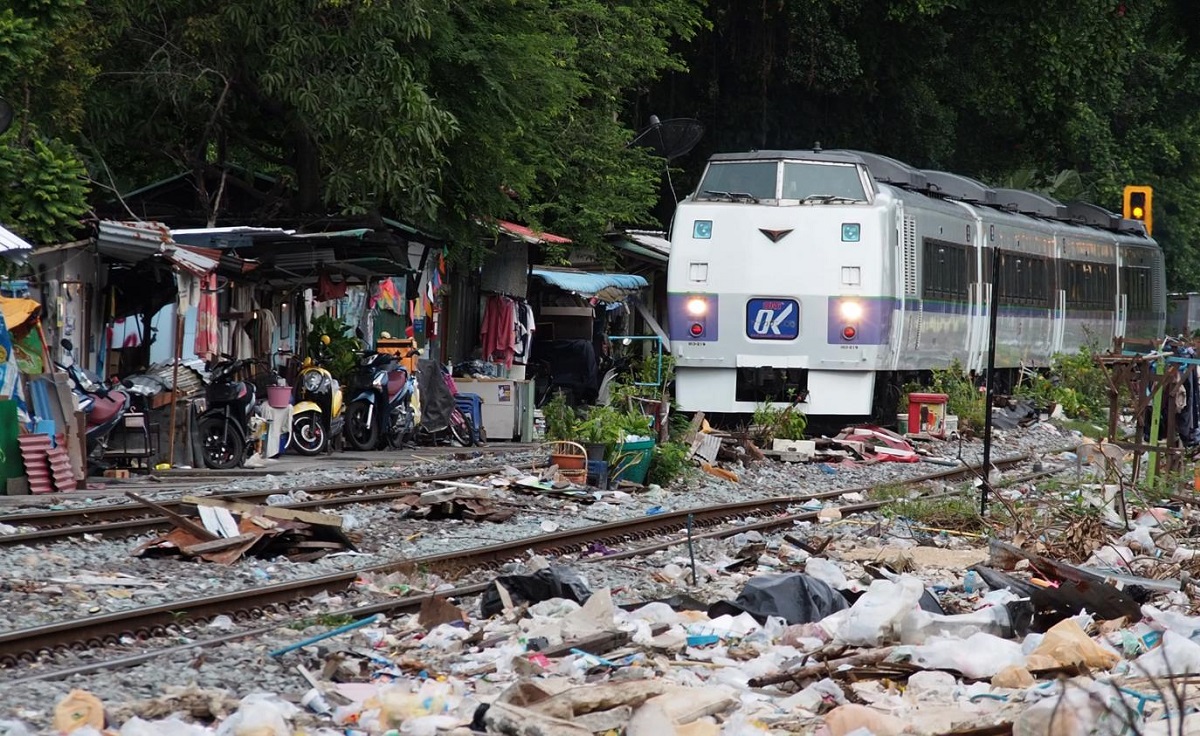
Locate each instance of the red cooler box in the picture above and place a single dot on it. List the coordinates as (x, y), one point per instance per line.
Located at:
(927, 413)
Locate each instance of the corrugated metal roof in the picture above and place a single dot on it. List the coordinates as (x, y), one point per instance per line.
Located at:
(12, 246)
(609, 287)
(652, 239)
(528, 235)
(137, 241)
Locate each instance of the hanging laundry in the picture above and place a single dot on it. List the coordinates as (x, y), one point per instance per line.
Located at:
(389, 294)
(328, 289)
(207, 339)
(497, 332)
(524, 328)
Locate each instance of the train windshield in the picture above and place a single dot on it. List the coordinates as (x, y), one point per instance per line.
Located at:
(740, 180)
(806, 182)
(822, 182)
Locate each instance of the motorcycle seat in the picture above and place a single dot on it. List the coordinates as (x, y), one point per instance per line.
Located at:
(396, 382)
(105, 408)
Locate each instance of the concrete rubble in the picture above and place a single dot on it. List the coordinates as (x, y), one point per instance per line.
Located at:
(1069, 613)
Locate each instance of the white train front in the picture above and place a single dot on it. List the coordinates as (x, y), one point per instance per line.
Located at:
(826, 276)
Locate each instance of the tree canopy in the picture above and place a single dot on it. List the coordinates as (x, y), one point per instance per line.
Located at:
(451, 114)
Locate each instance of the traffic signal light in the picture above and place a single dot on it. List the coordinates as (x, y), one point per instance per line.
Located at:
(1139, 202)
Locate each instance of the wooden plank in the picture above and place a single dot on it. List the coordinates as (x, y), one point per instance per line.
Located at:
(176, 520)
(217, 545)
(274, 512)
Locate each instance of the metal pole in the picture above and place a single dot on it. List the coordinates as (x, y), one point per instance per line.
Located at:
(993, 317)
(179, 325)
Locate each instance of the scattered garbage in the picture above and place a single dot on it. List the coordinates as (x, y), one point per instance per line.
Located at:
(794, 597)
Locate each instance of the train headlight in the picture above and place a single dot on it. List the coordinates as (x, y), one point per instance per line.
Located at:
(851, 311)
(697, 307)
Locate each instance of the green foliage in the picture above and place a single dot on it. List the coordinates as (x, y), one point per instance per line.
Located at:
(952, 512)
(603, 426)
(964, 399)
(339, 357)
(774, 423)
(1075, 382)
(449, 115)
(44, 70)
(560, 419)
(670, 462)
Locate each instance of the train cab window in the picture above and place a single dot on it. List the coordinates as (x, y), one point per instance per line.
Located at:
(822, 182)
(739, 180)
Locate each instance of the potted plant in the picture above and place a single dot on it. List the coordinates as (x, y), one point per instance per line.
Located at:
(560, 419)
(633, 455)
(602, 429)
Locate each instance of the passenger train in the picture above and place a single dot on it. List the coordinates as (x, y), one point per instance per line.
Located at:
(824, 277)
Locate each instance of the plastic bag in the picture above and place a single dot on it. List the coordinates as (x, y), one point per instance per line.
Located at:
(14, 728)
(979, 657)
(546, 584)
(794, 597)
(1067, 644)
(137, 727)
(827, 572)
(1177, 655)
(260, 714)
(875, 617)
(79, 709)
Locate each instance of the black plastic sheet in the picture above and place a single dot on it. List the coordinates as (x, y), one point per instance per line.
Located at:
(546, 584)
(794, 597)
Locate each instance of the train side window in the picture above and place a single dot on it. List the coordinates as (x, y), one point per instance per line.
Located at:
(947, 271)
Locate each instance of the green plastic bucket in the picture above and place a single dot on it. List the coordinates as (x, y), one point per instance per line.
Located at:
(632, 461)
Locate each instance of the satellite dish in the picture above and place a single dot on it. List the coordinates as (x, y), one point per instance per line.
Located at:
(670, 139)
(6, 115)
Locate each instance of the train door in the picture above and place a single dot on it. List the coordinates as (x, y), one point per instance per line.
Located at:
(977, 295)
(905, 279)
(1122, 320)
(1058, 322)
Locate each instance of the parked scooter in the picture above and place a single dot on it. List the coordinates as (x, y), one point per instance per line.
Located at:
(386, 404)
(317, 419)
(225, 424)
(103, 408)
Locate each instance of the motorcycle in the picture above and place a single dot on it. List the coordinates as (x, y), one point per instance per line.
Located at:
(103, 408)
(386, 402)
(317, 418)
(225, 424)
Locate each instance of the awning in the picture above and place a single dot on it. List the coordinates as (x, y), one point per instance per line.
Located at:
(18, 312)
(645, 244)
(12, 246)
(607, 287)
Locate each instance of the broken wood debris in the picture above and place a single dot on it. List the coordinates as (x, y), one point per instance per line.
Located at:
(451, 503)
(228, 531)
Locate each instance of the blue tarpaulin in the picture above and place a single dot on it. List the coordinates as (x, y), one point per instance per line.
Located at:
(609, 287)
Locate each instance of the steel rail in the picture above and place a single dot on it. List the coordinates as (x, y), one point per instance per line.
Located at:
(95, 631)
(70, 521)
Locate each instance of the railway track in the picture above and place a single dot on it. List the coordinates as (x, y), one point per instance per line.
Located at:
(97, 631)
(132, 518)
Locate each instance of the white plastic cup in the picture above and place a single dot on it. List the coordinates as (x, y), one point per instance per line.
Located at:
(315, 701)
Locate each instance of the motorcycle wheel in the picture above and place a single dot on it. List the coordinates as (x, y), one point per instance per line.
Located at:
(308, 435)
(223, 449)
(461, 429)
(359, 434)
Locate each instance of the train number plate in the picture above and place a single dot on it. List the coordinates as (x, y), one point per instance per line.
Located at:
(772, 319)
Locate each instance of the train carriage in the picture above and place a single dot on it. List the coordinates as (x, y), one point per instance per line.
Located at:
(825, 276)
